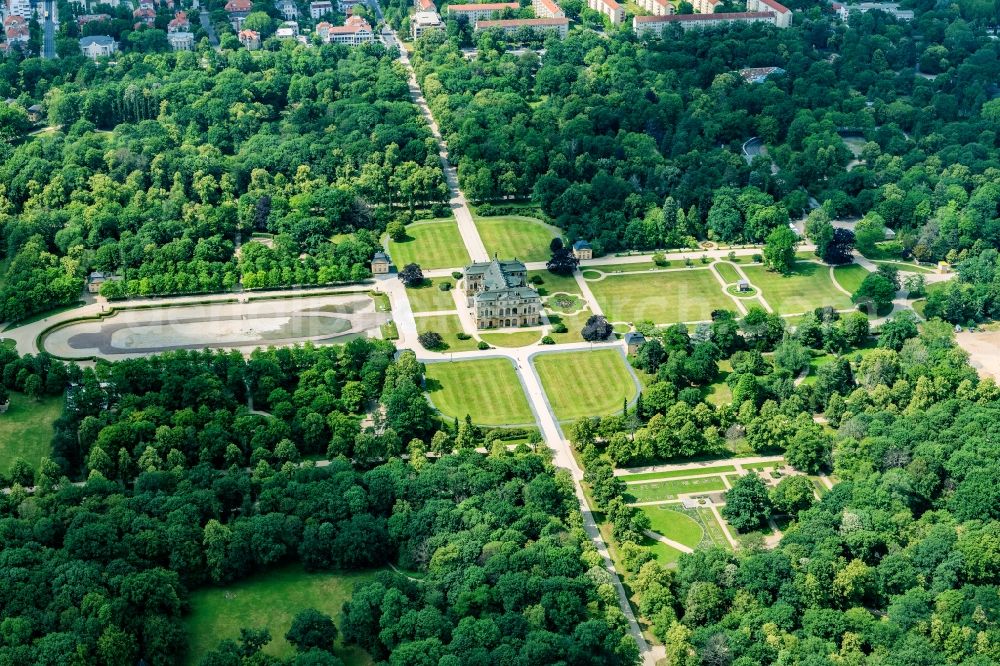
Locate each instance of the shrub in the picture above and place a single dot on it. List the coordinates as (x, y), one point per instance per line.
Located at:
(431, 340)
(445, 286)
(559, 328)
(731, 256)
(660, 259)
(704, 259)
(457, 275)
(482, 345)
(537, 279)
(757, 258)
(463, 336)
(396, 231)
(547, 340)
(688, 262)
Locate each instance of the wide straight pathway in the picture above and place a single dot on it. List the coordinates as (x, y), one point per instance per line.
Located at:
(459, 205)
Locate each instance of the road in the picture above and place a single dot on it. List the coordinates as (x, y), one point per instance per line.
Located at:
(206, 24)
(48, 9)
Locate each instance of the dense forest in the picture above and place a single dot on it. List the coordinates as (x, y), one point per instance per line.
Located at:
(159, 165)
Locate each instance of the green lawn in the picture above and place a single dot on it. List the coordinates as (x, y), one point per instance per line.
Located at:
(806, 289)
(764, 465)
(677, 473)
(585, 383)
(554, 284)
(26, 429)
(431, 244)
(269, 600)
(574, 326)
(668, 490)
(908, 266)
(674, 525)
(713, 530)
(448, 326)
(638, 266)
(429, 298)
(488, 390)
(850, 276)
(523, 237)
(727, 271)
(663, 298)
(519, 339)
(663, 553)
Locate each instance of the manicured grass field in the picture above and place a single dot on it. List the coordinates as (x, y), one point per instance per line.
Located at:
(269, 600)
(585, 383)
(574, 326)
(553, 284)
(448, 326)
(431, 244)
(26, 429)
(764, 465)
(519, 339)
(565, 303)
(523, 237)
(907, 266)
(488, 390)
(664, 298)
(663, 553)
(807, 288)
(674, 525)
(820, 486)
(727, 271)
(639, 266)
(668, 490)
(713, 530)
(429, 297)
(677, 473)
(850, 276)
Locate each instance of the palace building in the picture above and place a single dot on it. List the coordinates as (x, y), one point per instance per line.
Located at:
(499, 293)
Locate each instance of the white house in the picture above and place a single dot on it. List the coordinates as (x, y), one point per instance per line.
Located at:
(320, 8)
(609, 8)
(98, 46)
(783, 15)
(181, 41)
(643, 25)
(547, 9)
(479, 11)
(656, 7)
(288, 10)
(513, 26)
(424, 22)
(355, 31)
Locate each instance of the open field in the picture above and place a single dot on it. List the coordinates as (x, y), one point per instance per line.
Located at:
(431, 244)
(429, 297)
(639, 266)
(585, 383)
(554, 284)
(268, 600)
(727, 271)
(664, 298)
(522, 237)
(448, 326)
(907, 266)
(488, 390)
(574, 326)
(668, 490)
(677, 473)
(982, 348)
(674, 524)
(850, 276)
(519, 339)
(26, 429)
(808, 288)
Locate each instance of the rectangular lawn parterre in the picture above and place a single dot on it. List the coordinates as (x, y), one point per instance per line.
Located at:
(664, 297)
(554, 284)
(431, 244)
(807, 288)
(269, 600)
(488, 390)
(525, 238)
(668, 490)
(26, 429)
(585, 383)
(448, 326)
(728, 272)
(429, 297)
(674, 524)
(677, 473)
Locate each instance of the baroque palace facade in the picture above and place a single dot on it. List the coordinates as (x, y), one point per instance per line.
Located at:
(498, 291)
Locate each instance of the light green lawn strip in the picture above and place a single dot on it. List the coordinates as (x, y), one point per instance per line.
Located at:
(585, 383)
(764, 465)
(806, 289)
(429, 297)
(448, 326)
(26, 429)
(488, 390)
(668, 490)
(677, 473)
(663, 298)
(637, 267)
(525, 238)
(269, 601)
(574, 326)
(519, 339)
(554, 284)
(663, 553)
(907, 266)
(728, 272)
(820, 486)
(431, 244)
(850, 276)
(674, 525)
(713, 530)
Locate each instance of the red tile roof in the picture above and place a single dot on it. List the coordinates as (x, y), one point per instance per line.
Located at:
(239, 6)
(614, 6)
(776, 6)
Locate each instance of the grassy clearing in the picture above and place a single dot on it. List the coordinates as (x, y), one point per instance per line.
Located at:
(449, 326)
(522, 237)
(269, 600)
(677, 473)
(585, 383)
(664, 298)
(574, 326)
(431, 244)
(674, 525)
(727, 271)
(807, 288)
(638, 266)
(487, 389)
(554, 284)
(668, 490)
(850, 276)
(429, 298)
(26, 429)
(519, 339)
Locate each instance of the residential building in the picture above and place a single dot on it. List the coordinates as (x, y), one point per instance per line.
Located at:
(476, 12)
(657, 7)
(98, 46)
(354, 31)
(288, 10)
(320, 8)
(144, 16)
(634, 340)
(513, 26)
(35, 113)
(179, 23)
(97, 278)
(15, 29)
(287, 30)
(500, 296)
(425, 5)
(181, 41)
(891, 8)
(759, 74)
(582, 250)
(238, 10)
(643, 25)
(840, 10)
(347, 6)
(424, 22)
(20, 8)
(547, 9)
(249, 39)
(706, 6)
(91, 18)
(381, 263)
(609, 8)
(782, 13)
